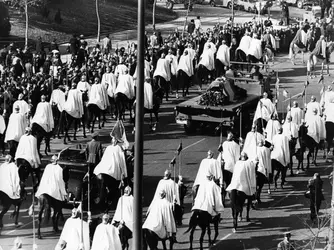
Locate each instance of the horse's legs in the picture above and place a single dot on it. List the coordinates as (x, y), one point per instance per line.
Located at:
(40, 214)
(164, 247)
(191, 238)
(83, 125)
(308, 159)
(3, 212)
(215, 224)
(17, 211)
(201, 238)
(249, 203)
(75, 129)
(209, 234)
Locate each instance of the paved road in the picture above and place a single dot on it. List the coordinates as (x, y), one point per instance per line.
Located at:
(282, 210)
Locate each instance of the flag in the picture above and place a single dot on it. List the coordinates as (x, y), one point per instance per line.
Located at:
(173, 161)
(179, 148)
(285, 93)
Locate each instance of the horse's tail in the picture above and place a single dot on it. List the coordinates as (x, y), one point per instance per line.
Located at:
(192, 221)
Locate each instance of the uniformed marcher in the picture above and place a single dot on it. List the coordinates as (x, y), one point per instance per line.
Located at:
(94, 151)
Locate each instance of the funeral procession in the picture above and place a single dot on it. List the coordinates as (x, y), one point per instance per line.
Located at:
(169, 124)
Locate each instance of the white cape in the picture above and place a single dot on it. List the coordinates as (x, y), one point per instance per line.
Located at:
(23, 105)
(251, 142)
(230, 154)
(27, 149)
(173, 63)
(148, 96)
(2, 125)
(209, 198)
(223, 54)
(112, 163)
(290, 129)
(10, 180)
(245, 44)
(106, 237)
(207, 59)
(297, 115)
(261, 112)
(272, 129)
(58, 98)
(16, 127)
(281, 152)
(126, 86)
(329, 112)
(98, 96)
(309, 109)
(147, 71)
(43, 116)
(255, 48)
(71, 234)
(83, 87)
(124, 211)
(74, 105)
(163, 69)
(52, 183)
(264, 166)
(186, 65)
(161, 219)
(171, 189)
(109, 81)
(244, 178)
(211, 166)
(316, 128)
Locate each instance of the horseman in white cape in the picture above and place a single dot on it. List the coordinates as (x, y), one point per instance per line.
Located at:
(58, 98)
(52, 182)
(113, 160)
(98, 95)
(296, 113)
(43, 115)
(74, 104)
(252, 140)
(10, 179)
(126, 85)
(22, 104)
(265, 108)
(272, 127)
(255, 49)
(299, 42)
(316, 126)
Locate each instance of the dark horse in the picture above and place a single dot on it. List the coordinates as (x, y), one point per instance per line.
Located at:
(202, 219)
(40, 134)
(306, 141)
(106, 189)
(157, 100)
(6, 201)
(151, 240)
(46, 202)
(238, 199)
(94, 112)
(329, 136)
(122, 103)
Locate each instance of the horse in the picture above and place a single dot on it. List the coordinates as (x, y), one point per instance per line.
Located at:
(151, 239)
(238, 199)
(40, 134)
(314, 59)
(306, 141)
(160, 82)
(202, 219)
(46, 202)
(105, 189)
(6, 201)
(94, 113)
(122, 103)
(157, 100)
(241, 57)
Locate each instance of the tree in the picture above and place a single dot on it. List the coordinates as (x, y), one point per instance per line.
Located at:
(5, 26)
(98, 20)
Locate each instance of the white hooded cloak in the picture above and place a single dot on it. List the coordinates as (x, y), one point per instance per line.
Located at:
(98, 96)
(2, 125)
(161, 219)
(316, 127)
(297, 115)
(255, 48)
(148, 96)
(10, 180)
(109, 81)
(43, 116)
(281, 152)
(52, 183)
(212, 166)
(186, 65)
(27, 149)
(290, 129)
(163, 69)
(58, 97)
(230, 154)
(272, 129)
(207, 58)
(23, 105)
(126, 86)
(112, 163)
(124, 211)
(209, 198)
(106, 237)
(16, 127)
(251, 142)
(74, 104)
(245, 43)
(223, 54)
(244, 178)
(264, 166)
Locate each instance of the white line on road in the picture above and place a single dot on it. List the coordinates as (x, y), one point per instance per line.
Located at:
(189, 146)
(225, 237)
(277, 202)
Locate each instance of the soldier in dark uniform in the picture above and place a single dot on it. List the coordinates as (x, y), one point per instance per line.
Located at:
(286, 244)
(316, 195)
(93, 152)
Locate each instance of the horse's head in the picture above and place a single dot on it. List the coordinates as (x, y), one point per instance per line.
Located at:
(302, 130)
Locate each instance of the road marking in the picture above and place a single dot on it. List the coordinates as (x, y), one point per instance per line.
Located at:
(225, 237)
(189, 146)
(22, 226)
